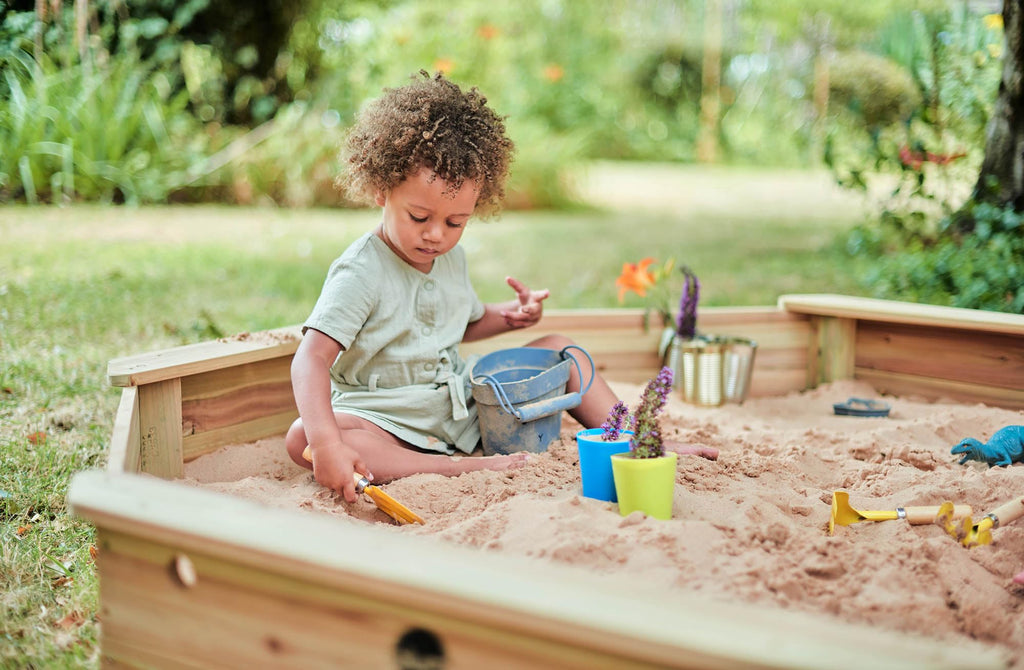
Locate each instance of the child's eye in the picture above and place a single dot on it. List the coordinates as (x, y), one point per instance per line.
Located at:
(455, 224)
(417, 219)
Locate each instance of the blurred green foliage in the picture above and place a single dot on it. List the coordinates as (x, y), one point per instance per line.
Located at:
(620, 80)
(912, 142)
(164, 101)
(878, 90)
(983, 269)
(109, 132)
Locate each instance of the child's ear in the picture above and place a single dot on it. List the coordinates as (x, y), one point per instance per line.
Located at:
(380, 198)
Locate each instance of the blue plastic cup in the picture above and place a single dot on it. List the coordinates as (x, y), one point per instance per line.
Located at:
(596, 462)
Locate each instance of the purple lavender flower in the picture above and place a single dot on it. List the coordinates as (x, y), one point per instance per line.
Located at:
(646, 441)
(686, 319)
(616, 419)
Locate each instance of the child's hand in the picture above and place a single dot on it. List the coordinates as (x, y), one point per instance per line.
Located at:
(333, 468)
(530, 306)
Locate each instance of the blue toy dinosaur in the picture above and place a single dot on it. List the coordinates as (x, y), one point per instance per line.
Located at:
(1004, 447)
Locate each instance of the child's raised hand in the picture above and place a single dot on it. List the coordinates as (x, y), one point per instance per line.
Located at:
(530, 307)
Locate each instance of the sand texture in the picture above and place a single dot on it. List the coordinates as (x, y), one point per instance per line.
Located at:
(749, 527)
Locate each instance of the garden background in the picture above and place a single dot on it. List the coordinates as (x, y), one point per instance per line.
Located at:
(166, 174)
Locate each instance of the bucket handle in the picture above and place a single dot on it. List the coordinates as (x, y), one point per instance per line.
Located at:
(542, 408)
(579, 371)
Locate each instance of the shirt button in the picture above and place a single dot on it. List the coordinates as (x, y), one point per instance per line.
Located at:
(426, 330)
(428, 366)
(429, 285)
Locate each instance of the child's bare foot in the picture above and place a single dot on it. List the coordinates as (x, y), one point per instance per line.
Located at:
(709, 453)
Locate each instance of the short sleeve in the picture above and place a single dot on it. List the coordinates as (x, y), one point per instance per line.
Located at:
(346, 300)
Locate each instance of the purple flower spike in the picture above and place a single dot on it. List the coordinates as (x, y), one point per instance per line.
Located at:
(616, 419)
(686, 319)
(647, 439)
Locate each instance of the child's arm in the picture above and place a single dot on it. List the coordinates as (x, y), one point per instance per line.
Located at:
(522, 312)
(333, 460)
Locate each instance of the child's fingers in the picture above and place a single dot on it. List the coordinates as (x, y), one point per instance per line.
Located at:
(517, 286)
(523, 292)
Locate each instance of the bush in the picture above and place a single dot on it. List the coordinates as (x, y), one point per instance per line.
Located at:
(983, 269)
(879, 91)
(110, 131)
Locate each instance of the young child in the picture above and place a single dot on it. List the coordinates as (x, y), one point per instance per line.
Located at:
(379, 384)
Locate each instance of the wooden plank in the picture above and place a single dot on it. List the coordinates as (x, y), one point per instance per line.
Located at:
(894, 311)
(303, 569)
(777, 382)
(160, 428)
(985, 359)
(125, 453)
(195, 445)
(833, 357)
(282, 342)
(932, 388)
(260, 619)
(624, 352)
(235, 395)
(202, 357)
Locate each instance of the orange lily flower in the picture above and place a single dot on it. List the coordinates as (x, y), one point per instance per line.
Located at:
(554, 73)
(635, 277)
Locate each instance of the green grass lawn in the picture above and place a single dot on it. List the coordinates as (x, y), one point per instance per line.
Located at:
(84, 284)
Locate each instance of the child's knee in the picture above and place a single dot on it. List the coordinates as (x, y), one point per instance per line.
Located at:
(553, 341)
(295, 442)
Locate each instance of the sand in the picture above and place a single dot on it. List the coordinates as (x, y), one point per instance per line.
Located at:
(749, 527)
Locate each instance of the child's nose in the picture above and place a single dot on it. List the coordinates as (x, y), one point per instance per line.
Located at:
(433, 231)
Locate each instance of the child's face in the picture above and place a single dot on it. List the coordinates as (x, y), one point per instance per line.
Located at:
(421, 222)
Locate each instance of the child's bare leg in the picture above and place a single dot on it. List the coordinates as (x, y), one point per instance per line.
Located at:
(598, 401)
(389, 458)
(709, 453)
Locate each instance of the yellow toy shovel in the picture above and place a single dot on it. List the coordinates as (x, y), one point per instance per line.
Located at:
(972, 534)
(844, 515)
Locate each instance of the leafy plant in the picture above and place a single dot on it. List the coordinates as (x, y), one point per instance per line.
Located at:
(931, 240)
(109, 131)
(980, 269)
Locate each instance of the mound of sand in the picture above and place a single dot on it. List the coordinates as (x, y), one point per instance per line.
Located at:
(751, 526)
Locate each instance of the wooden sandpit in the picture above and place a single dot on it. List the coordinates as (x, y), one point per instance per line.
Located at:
(245, 560)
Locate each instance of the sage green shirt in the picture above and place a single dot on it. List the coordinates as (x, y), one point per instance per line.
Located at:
(400, 330)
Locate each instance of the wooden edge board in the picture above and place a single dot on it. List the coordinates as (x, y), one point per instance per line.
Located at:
(202, 357)
(225, 352)
(549, 602)
(934, 388)
(894, 311)
(124, 455)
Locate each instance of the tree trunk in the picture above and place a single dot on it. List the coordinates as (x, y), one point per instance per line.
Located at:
(711, 84)
(1001, 179)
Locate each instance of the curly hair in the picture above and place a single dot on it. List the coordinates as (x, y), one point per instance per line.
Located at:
(431, 123)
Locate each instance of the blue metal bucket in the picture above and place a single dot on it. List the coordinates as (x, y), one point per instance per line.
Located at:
(520, 395)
